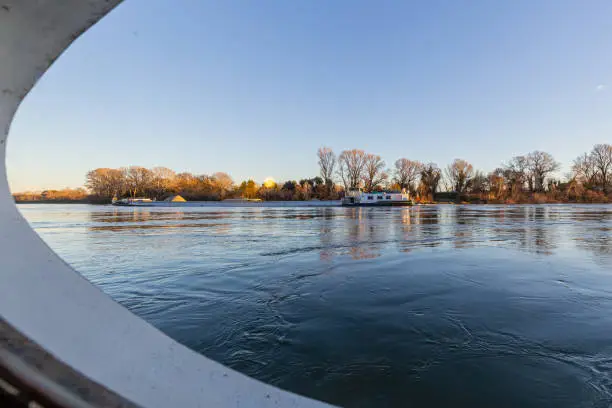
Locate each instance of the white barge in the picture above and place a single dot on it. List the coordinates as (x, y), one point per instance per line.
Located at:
(358, 198)
(135, 202)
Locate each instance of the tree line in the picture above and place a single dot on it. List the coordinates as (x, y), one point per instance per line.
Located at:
(525, 178)
(66, 195)
(161, 182)
(158, 182)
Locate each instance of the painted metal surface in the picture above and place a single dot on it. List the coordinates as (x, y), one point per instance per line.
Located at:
(53, 305)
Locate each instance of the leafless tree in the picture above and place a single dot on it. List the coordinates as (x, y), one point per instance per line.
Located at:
(515, 174)
(584, 170)
(137, 179)
(162, 179)
(223, 181)
(602, 160)
(445, 184)
(327, 165)
(374, 173)
(479, 183)
(430, 178)
(540, 165)
(351, 165)
(407, 173)
(460, 174)
(105, 183)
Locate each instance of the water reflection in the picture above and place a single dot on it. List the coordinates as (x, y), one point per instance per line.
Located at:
(367, 233)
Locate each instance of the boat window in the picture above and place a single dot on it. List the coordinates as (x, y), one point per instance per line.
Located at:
(379, 197)
(370, 197)
(388, 197)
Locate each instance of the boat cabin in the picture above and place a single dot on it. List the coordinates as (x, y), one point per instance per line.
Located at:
(376, 198)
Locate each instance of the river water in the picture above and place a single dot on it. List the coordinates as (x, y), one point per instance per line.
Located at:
(449, 306)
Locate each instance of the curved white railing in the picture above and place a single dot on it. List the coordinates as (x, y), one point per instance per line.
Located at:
(47, 301)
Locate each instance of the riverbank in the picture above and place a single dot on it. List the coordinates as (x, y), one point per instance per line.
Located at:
(53, 202)
(285, 204)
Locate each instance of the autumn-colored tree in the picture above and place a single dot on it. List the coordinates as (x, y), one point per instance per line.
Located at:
(223, 183)
(161, 182)
(64, 195)
(137, 179)
(303, 191)
(575, 190)
(497, 183)
(105, 183)
(192, 187)
(67, 194)
(248, 189)
(185, 181)
(26, 196)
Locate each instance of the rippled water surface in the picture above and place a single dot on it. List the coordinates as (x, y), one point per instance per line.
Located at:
(449, 306)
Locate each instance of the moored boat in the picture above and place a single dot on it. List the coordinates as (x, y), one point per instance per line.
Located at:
(358, 198)
(133, 202)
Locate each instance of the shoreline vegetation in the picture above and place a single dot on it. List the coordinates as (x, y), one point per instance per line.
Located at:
(526, 179)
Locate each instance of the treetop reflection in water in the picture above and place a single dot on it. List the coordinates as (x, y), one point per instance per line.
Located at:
(423, 306)
(361, 232)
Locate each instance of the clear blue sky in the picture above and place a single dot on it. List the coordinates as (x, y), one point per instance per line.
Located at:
(253, 88)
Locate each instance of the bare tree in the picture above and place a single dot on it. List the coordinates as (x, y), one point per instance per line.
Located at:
(602, 160)
(516, 174)
(430, 178)
(460, 174)
(162, 179)
(406, 173)
(584, 170)
(540, 165)
(105, 183)
(327, 165)
(374, 173)
(445, 183)
(479, 183)
(351, 165)
(223, 182)
(137, 179)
